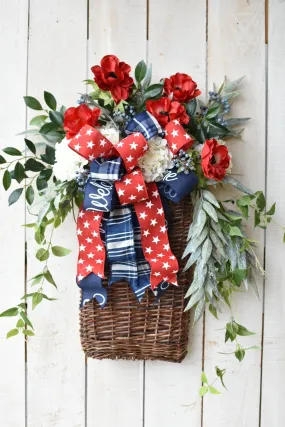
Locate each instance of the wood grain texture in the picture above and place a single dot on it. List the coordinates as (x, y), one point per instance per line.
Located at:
(115, 388)
(273, 389)
(236, 48)
(56, 364)
(177, 43)
(13, 51)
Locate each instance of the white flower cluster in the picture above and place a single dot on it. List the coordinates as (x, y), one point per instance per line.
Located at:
(157, 160)
(110, 133)
(67, 162)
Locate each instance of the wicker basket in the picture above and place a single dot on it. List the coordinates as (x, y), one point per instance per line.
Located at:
(125, 329)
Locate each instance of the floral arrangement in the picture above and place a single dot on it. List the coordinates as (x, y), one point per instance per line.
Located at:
(128, 147)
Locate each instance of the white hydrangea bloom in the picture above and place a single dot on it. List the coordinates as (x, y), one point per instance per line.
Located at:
(110, 132)
(67, 162)
(157, 160)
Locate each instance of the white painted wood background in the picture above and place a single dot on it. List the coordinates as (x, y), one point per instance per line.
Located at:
(51, 45)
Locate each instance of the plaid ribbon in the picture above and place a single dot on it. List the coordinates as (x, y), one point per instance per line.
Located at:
(124, 251)
(144, 123)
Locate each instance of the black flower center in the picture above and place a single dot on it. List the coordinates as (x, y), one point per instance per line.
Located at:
(213, 161)
(163, 113)
(112, 74)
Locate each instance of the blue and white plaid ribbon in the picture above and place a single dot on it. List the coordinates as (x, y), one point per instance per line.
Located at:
(124, 251)
(144, 123)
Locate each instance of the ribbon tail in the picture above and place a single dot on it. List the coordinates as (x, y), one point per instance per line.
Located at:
(91, 258)
(155, 243)
(91, 287)
(121, 247)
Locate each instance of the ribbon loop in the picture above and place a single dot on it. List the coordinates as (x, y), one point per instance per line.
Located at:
(177, 137)
(132, 188)
(146, 124)
(91, 144)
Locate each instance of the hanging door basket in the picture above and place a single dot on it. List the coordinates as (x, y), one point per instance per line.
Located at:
(150, 330)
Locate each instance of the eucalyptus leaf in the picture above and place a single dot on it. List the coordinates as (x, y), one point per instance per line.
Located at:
(193, 258)
(228, 87)
(199, 310)
(217, 242)
(210, 210)
(211, 198)
(206, 250)
(195, 298)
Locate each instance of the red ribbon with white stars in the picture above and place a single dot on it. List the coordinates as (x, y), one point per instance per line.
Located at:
(177, 137)
(155, 243)
(91, 257)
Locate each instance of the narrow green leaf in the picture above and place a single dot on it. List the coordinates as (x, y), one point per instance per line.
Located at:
(30, 195)
(12, 151)
(11, 312)
(49, 278)
(32, 103)
(211, 211)
(12, 333)
(213, 112)
(260, 201)
(50, 100)
(30, 145)
(2, 160)
(60, 251)
(14, 196)
(26, 319)
(7, 179)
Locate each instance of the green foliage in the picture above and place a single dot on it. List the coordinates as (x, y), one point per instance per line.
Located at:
(50, 100)
(32, 103)
(140, 71)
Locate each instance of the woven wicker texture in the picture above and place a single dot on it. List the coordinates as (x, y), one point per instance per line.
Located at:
(125, 329)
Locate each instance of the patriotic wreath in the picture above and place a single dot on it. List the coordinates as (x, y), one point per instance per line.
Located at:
(128, 148)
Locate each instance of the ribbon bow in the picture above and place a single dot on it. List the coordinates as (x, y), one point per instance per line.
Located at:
(123, 213)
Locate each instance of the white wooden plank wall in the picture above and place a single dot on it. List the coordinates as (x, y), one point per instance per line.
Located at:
(51, 46)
